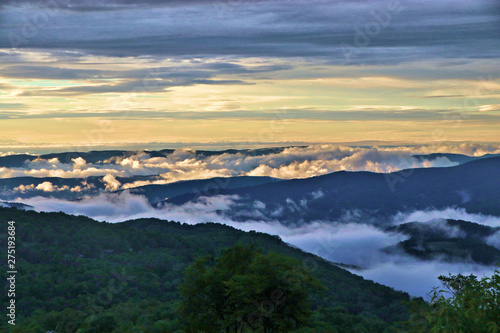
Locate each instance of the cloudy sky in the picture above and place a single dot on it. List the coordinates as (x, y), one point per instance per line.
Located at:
(111, 73)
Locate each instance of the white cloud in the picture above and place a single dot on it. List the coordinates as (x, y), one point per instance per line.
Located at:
(24, 188)
(45, 186)
(419, 277)
(118, 207)
(317, 194)
(494, 240)
(111, 183)
(441, 227)
(448, 213)
(85, 186)
(8, 153)
(346, 241)
(49, 187)
(139, 183)
(295, 162)
(78, 163)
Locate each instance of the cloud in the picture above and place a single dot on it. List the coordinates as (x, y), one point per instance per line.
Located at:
(16, 106)
(346, 241)
(9, 153)
(283, 115)
(349, 243)
(489, 108)
(78, 163)
(286, 163)
(118, 207)
(114, 5)
(189, 71)
(24, 188)
(85, 186)
(139, 183)
(130, 86)
(419, 277)
(45, 187)
(163, 29)
(111, 183)
(494, 240)
(50, 72)
(440, 226)
(448, 213)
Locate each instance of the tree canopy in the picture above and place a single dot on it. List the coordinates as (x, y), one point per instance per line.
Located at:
(245, 290)
(466, 304)
(80, 275)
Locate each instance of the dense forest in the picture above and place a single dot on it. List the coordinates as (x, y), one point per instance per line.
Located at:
(79, 275)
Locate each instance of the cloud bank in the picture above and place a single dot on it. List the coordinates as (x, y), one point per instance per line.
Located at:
(287, 163)
(448, 213)
(346, 241)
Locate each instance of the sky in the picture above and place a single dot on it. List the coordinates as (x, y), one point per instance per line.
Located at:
(247, 73)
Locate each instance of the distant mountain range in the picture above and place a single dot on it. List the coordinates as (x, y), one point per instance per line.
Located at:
(76, 188)
(100, 156)
(474, 186)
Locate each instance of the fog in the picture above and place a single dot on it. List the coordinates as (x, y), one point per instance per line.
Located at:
(350, 243)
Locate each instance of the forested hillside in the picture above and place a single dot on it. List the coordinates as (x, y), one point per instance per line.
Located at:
(77, 273)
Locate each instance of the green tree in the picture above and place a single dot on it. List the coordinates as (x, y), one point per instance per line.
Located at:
(245, 290)
(466, 304)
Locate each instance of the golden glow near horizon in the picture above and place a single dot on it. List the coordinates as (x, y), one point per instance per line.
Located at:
(75, 89)
(282, 108)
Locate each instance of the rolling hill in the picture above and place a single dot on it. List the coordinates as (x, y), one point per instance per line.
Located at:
(473, 186)
(72, 266)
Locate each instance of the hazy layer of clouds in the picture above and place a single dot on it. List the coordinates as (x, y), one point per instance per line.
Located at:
(494, 240)
(409, 30)
(299, 162)
(419, 277)
(448, 213)
(240, 115)
(117, 207)
(294, 162)
(343, 241)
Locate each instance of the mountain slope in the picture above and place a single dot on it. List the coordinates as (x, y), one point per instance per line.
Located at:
(449, 240)
(69, 266)
(157, 193)
(474, 186)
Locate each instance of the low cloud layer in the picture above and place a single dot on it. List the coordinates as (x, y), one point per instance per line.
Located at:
(294, 162)
(448, 213)
(345, 241)
(419, 277)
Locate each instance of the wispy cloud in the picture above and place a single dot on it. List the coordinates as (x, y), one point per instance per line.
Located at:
(346, 241)
(264, 28)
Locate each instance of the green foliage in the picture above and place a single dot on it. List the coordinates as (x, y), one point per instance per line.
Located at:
(245, 290)
(80, 275)
(467, 304)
